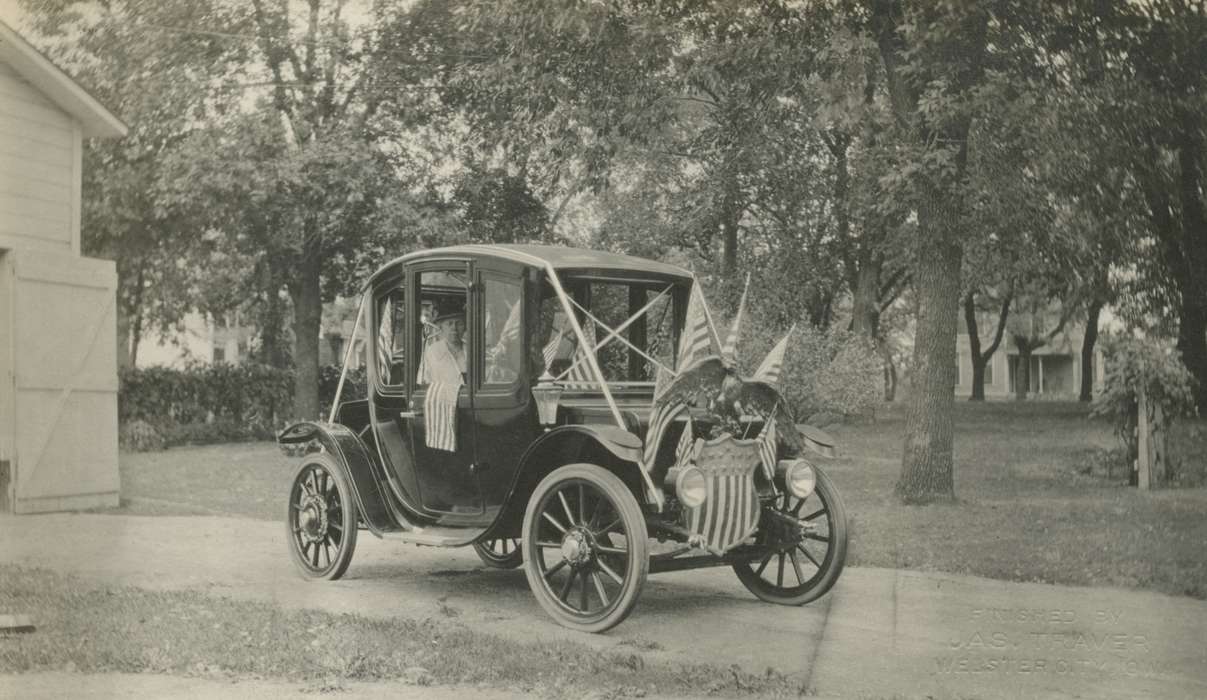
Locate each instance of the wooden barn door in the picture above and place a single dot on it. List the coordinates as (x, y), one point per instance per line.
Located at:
(65, 382)
(7, 385)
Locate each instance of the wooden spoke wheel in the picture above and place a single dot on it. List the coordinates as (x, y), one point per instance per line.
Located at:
(321, 519)
(807, 547)
(503, 553)
(585, 547)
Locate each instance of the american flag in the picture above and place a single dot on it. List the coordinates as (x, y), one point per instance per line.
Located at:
(579, 375)
(773, 364)
(440, 416)
(767, 447)
(560, 344)
(661, 419)
(696, 343)
(510, 331)
(730, 351)
(686, 440)
(385, 339)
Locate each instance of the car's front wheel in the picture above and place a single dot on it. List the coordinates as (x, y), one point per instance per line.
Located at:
(806, 541)
(321, 519)
(585, 547)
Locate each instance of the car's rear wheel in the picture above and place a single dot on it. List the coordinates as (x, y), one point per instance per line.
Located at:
(321, 519)
(807, 547)
(585, 547)
(503, 553)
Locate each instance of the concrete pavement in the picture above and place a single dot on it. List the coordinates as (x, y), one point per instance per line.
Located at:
(880, 633)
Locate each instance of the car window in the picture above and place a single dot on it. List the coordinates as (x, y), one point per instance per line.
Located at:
(503, 339)
(441, 327)
(391, 348)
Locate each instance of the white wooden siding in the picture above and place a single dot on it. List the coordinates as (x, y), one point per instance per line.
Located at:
(7, 386)
(39, 169)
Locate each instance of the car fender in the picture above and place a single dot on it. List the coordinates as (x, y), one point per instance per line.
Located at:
(350, 453)
(611, 447)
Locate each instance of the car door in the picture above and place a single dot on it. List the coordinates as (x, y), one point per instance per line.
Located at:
(506, 414)
(388, 374)
(439, 429)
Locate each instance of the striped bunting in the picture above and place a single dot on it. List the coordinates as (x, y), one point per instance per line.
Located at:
(729, 352)
(772, 365)
(696, 343)
(767, 447)
(730, 512)
(440, 416)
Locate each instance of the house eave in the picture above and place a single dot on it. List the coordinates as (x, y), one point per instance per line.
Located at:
(95, 119)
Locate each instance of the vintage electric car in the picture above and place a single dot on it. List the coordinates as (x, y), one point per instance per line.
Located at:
(562, 410)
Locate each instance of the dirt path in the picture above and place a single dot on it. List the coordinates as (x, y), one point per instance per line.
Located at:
(881, 632)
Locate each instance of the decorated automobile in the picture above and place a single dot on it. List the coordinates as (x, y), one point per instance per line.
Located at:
(573, 412)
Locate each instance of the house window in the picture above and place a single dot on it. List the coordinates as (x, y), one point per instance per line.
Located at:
(219, 355)
(989, 372)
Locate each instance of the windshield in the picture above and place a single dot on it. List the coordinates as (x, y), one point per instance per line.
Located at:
(630, 326)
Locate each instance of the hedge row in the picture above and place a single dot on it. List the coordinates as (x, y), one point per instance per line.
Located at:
(160, 407)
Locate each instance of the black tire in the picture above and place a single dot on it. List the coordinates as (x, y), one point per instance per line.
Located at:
(502, 553)
(321, 519)
(814, 570)
(585, 538)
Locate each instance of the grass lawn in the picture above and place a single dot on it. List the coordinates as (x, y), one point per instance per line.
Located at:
(1023, 510)
(119, 629)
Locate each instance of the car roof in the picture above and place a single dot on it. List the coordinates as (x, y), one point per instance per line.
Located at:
(560, 257)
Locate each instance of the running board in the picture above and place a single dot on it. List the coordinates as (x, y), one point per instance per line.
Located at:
(436, 536)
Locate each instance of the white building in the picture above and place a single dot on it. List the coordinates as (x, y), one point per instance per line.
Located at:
(58, 355)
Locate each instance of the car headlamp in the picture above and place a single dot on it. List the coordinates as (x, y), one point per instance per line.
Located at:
(691, 487)
(799, 477)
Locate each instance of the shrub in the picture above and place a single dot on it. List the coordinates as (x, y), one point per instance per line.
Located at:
(140, 436)
(1133, 365)
(832, 371)
(160, 406)
(355, 385)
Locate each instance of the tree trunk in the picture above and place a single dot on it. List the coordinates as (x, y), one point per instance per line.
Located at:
(1022, 375)
(731, 215)
(890, 376)
(135, 322)
(926, 465)
(307, 326)
(978, 378)
(865, 319)
(272, 319)
(124, 360)
(1087, 350)
(974, 348)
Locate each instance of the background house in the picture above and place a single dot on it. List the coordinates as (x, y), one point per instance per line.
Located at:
(58, 354)
(1055, 368)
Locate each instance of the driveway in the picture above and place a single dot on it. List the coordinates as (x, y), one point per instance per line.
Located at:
(879, 633)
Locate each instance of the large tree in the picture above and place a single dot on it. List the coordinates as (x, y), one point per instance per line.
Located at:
(163, 83)
(934, 58)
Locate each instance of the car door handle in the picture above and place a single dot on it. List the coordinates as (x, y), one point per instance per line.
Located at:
(410, 414)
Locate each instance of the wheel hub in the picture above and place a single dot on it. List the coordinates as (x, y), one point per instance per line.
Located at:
(312, 518)
(576, 547)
